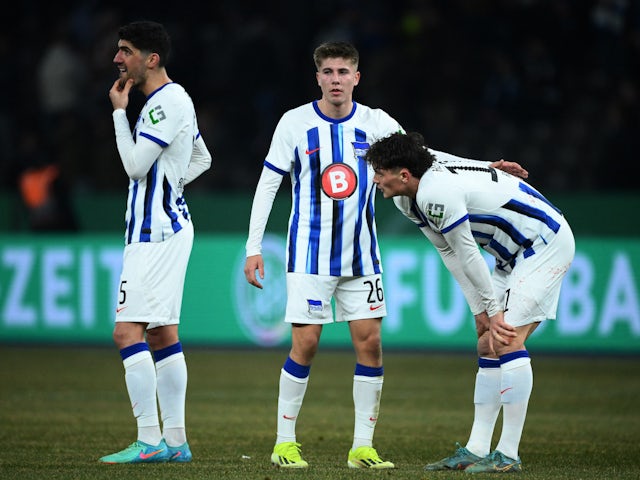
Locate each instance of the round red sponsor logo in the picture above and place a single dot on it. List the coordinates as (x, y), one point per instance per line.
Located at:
(339, 181)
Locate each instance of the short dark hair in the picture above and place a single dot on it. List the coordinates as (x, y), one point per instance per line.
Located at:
(400, 150)
(336, 50)
(149, 37)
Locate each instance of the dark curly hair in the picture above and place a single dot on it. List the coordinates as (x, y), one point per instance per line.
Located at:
(149, 37)
(400, 150)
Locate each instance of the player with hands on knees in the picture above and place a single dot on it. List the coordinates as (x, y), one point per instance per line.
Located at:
(459, 205)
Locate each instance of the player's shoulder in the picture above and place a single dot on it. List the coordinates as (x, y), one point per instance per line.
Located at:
(438, 182)
(171, 95)
(378, 122)
(373, 112)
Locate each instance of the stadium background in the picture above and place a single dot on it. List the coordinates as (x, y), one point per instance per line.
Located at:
(551, 84)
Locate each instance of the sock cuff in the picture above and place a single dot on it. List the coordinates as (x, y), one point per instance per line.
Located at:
(295, 369)
(163, 353)
(484, 362)
(364, 371)
(508, 357)
(127, 352)
(514, 360)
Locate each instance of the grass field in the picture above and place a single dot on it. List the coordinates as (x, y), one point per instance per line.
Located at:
(62, 408)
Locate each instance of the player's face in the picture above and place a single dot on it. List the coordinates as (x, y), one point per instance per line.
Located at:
(131, 63)
(337, 77)
(390, 182)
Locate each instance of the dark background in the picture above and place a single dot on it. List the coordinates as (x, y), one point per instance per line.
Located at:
(551, 84)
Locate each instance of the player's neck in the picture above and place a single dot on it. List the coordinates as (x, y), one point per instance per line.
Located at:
(155, 81)
(336, 111)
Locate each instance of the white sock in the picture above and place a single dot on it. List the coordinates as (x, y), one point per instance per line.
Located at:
(486, 398)
(516, 387)
(140, 378)
(291, 394)
(172, 392)
(366, 400)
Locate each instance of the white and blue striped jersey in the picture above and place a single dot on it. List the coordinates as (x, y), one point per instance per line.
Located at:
(507, 216)
(332, 229)
(156, 208)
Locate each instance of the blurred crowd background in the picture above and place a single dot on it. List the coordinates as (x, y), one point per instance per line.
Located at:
(551, 84)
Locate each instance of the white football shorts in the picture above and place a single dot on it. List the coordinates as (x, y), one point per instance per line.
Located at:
(152, 280)
(530, 293)
(355, 298)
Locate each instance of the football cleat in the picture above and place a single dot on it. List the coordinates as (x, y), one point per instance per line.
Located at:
(460, 460)
(180, 454)
(496, 462)
(139, 452)
(367, 457)
(287, 455)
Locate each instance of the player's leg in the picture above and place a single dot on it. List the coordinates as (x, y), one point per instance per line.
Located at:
(516, 384)
(486, 398)
(140, 380)
(132, 317)
(486, 395)
(533, 292)
(171, 372)
(169, 273)
(356, 298)
(308, 308)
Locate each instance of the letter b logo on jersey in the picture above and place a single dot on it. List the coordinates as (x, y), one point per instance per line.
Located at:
(339, 181)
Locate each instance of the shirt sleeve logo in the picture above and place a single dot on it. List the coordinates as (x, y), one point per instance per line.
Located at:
(435, 210)
(156, 115)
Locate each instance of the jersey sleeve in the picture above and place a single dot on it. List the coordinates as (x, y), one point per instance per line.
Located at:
(281, 152)
(200, 160)
(387, 125)
(445, 208)
(447, 254)
(268, 186)
(136, 157)
(163, 119)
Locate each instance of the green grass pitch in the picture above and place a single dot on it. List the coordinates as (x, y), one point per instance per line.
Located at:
(61, 408)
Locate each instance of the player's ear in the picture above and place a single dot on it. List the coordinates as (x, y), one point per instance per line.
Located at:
(153, 59)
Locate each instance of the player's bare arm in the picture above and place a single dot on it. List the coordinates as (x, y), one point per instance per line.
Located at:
(252, 264)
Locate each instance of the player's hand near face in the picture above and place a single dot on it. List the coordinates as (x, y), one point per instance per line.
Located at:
(513, 168)
(119, 93)
(253, 263)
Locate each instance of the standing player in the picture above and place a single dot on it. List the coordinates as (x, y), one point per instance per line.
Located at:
(332, 247)
(458, 206)
(165, 153)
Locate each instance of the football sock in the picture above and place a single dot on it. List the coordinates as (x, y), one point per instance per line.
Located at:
(171, 371)
(140, 378)
(515, 388)
(486, 398)
(294, 379)
(367, 388)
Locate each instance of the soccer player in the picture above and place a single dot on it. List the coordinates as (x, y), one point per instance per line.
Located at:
(459, 205)
(332, 246)
(165, 153)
